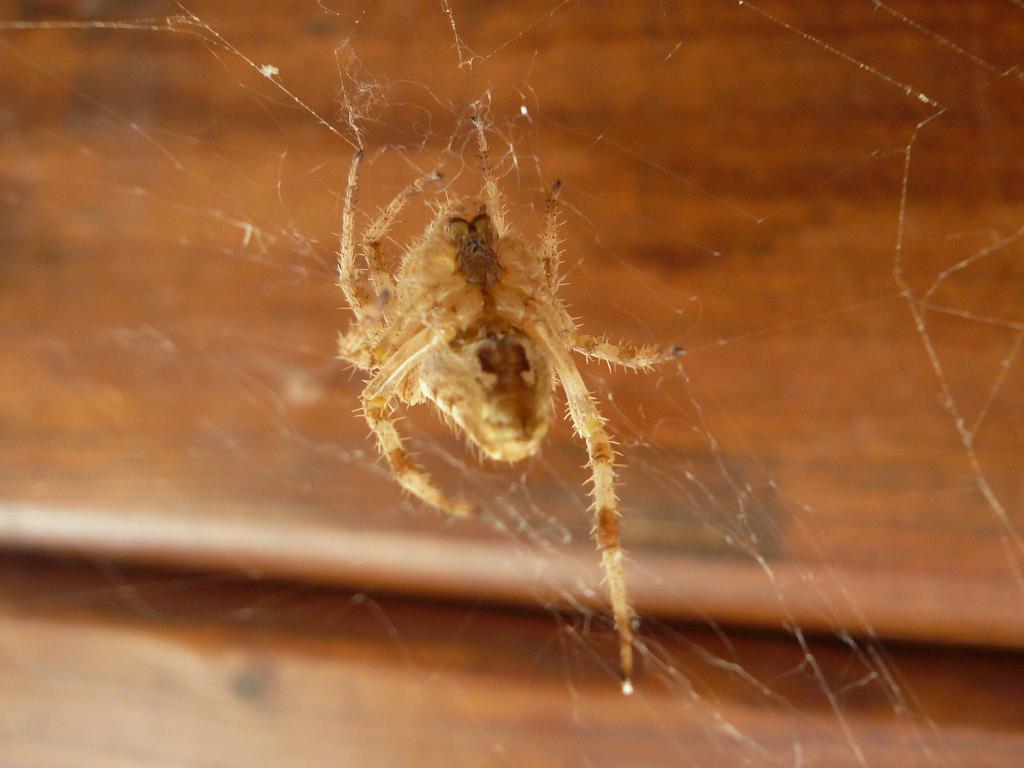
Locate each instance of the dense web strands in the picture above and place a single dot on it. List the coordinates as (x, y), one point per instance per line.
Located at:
(809, 216)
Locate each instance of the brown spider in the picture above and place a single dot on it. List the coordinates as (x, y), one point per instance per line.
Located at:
(471, 323)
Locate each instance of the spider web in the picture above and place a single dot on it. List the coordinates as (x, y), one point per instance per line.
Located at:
(767, 467)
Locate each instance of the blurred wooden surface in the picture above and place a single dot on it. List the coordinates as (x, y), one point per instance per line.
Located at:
(168, 307)
(736, 181)
(172, 670)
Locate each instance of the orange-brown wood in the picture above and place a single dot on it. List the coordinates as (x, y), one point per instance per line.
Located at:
(168, 310)
(134, 668)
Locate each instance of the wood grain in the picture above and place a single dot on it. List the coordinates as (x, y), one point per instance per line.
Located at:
(167, 307)
(173, 670)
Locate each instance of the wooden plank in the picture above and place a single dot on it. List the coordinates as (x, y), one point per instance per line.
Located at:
(167, 308)
(140, 668)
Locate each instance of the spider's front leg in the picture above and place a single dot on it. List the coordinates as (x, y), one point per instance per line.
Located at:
(354, 293)
(491, 194)
(548, 251)
(371, 242)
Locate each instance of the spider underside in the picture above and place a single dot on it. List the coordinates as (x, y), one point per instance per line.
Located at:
(471, 322)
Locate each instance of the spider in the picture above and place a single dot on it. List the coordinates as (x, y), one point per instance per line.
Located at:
(471, 322)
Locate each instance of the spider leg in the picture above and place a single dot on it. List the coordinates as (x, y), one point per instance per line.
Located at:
(379, 395)
(638, 357)
(377, 410)
(491, 194)
(590, 427)
(393, 349)
(372, 247)
(353, 292)
(442, 213)
(358, 345)
(549, 252)
(352, 347)
(394, 358)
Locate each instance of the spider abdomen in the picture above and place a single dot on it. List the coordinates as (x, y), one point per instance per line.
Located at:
(493, 383)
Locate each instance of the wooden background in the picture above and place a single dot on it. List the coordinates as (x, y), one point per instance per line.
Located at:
(752, 182)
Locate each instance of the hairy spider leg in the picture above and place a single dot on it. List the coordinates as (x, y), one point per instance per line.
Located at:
(491, 194)
(590, 427)
(549, 252)
(404, 470)
(401, 359)
(372, 241)
(354, 294)
(638, 357)
(352, 346)
(378, 401)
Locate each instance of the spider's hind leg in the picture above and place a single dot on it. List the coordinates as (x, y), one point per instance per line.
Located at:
(590, 426)
(406, 473)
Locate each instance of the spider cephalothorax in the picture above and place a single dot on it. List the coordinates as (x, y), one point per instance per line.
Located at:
(476, 258)
(473, 324)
